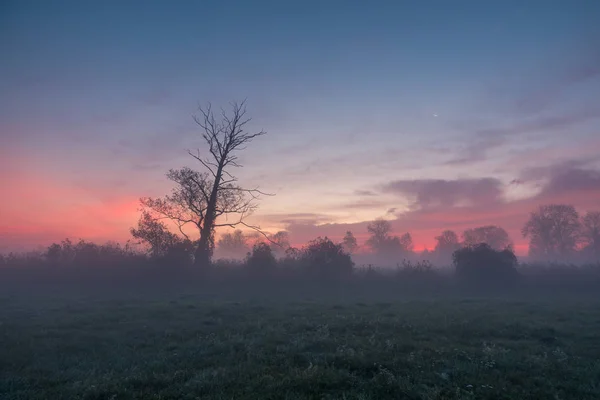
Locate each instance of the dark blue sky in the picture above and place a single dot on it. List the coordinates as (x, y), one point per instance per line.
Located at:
(96, 100)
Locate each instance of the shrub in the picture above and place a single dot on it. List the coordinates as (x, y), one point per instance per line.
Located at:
(261, 261)
(482, 264)
(413, 269)
(323, 259)
(179, 254)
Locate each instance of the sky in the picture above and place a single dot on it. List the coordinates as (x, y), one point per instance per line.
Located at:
(432, 114)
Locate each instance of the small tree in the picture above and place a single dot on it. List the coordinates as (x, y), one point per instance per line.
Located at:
(155, 235)
(261, 261)
(324, 259)
(482, 264)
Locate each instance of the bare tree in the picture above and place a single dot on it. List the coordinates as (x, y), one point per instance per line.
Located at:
(494, 236)
(213, 198)
(590, 233)
(553, 231)
(349, 242)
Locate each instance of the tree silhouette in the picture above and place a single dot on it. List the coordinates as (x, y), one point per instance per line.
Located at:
(200, 199)
(590, 233)
(481, 264)
(447, 242)
(553, 231)
(280, 242)
(380, 234)
(323, 259)
(494, 236)
(155, 234)
(406, 243)
(385, 244)
(349, 242)
(261, 261)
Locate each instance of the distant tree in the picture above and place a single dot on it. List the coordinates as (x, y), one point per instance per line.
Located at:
(290, 259)
(233, 244)
(280, 242)
(349, 242)
(496, 237)
(481, 264)
(447, 242)
(324, 259)
(380, 233)
(200, 199)
(383, 243)
(62, 253)
(406, 243)
(553, 231)
(253, 238)
(427, 254)
(590, 233)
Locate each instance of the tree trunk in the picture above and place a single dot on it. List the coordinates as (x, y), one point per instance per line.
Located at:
(203, 255)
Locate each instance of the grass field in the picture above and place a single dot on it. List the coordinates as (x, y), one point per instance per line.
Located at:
(186, 347)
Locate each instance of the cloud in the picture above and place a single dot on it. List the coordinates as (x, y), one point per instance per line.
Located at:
(553, 95)
(528, 92)
(156, 97)
(435, 193)
(364, 204)
(295, 218)
(583, 68)
(484, 140)
(565, 177)
(365, 193)
(573, 180)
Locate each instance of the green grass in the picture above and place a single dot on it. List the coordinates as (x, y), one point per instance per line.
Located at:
(189, 348)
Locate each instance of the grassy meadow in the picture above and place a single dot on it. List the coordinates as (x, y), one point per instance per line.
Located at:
(177, 346)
